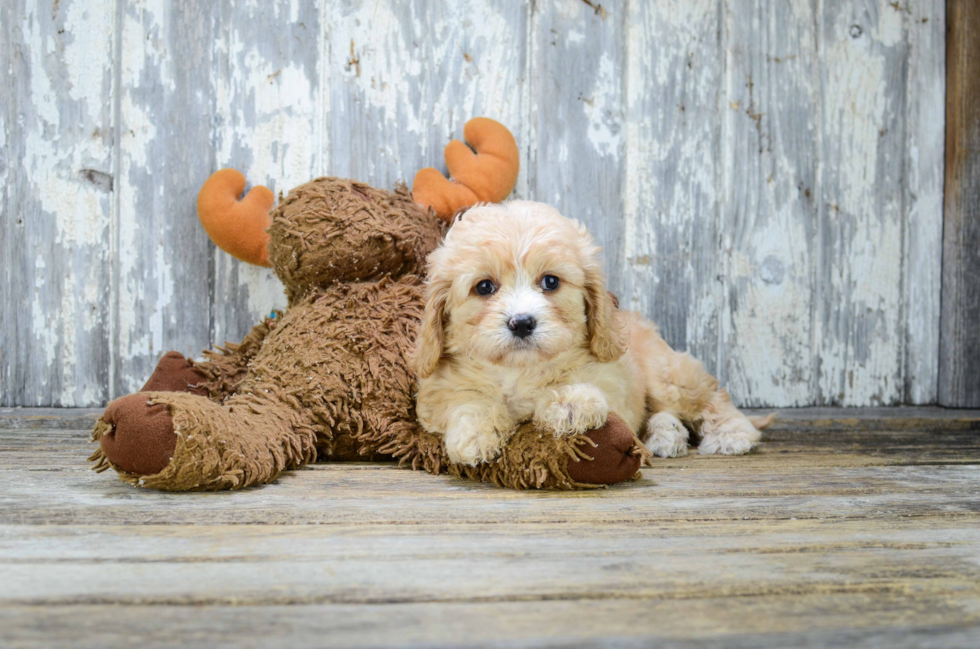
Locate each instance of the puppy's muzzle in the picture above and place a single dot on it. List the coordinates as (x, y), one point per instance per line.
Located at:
(522, 325)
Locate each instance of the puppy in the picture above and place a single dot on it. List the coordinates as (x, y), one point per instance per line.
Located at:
(518, 325)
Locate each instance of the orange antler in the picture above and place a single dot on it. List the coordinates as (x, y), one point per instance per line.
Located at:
(487, 175)
(236, 226)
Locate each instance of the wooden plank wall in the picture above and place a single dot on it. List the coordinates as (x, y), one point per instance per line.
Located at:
(960, 350)
(766, 178)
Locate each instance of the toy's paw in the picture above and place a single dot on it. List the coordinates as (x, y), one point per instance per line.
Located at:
(614, 457)
(174, 373)
(734, 437)
(471, 446)
(574, 409)
(667, 435)
(140, 438)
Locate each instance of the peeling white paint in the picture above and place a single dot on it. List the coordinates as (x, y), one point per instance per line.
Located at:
(689, 156)
(603, 109)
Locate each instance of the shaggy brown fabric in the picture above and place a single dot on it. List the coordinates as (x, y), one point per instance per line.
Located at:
(330, 377)
(335, 230)
(227, 366)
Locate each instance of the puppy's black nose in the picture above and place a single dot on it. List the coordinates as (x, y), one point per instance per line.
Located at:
(522, 325)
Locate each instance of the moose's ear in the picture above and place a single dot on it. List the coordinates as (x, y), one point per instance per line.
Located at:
(236, 226)
(487, 176)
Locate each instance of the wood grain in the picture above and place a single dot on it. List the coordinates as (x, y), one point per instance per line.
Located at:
(858, 301)
(161, 254)
(671, 264)
(831, 620)
(268, 125)
(959, 381)
(764, 177)
(57, 210)
(925, 93)
(863, 532)
(577, 77)
(770, 219)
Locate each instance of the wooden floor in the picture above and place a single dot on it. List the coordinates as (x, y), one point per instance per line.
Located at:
(845, 529)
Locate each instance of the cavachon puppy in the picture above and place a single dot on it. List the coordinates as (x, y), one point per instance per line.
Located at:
(518, 325)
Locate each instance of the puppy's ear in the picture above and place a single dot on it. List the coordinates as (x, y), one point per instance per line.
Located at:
(428, 345)
(608, 336)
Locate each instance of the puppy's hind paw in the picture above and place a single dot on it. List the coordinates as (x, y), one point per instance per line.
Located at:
(667, 435)
(735, 437)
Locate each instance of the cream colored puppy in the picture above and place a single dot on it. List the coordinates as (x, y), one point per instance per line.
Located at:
(518, 325)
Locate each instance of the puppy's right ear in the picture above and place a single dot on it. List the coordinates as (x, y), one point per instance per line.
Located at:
(428, 346)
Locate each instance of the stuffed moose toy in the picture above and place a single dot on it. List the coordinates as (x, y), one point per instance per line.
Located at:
(330, 378)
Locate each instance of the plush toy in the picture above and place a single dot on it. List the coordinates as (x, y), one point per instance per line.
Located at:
(329, 379)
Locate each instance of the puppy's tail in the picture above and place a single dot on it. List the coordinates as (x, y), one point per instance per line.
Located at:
(762, 423)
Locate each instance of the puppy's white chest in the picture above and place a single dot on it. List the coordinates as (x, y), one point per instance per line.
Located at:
(518, 394)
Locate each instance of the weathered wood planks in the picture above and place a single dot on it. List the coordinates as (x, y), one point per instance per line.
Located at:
(672, 261)
(160, 254)
(959, 379)
(764, 177)
(925, 106)
(770, 214)
(56, 218)
(267, 90)
(847, 528)
(577, 118)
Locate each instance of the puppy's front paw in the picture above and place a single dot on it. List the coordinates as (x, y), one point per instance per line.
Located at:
(734, 437)
(667, 435)
(471, 446)
(574, 409)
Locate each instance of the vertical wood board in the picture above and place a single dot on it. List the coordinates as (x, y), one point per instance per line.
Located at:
(268, 125)
(765, 178)
(925, 93)
(162, 256)
(959, 378)
(769, 209)
(858, 305)
(57, 202)
(576, 121)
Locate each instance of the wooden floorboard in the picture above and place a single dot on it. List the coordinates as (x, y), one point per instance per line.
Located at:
(846, 528)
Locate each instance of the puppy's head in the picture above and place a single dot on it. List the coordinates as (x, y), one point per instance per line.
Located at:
(513, 285)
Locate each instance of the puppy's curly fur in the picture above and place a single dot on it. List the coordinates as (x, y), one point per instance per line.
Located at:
(518, 326)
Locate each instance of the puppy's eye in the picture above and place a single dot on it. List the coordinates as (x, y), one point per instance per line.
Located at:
(550, 282)
(485, 287)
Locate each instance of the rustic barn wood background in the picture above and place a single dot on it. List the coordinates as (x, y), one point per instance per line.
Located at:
(766, 177)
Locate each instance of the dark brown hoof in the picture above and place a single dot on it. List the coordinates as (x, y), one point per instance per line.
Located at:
(174, 373)
(142, 438)
(614, 460)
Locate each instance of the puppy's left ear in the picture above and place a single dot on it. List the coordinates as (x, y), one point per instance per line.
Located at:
(608, 336)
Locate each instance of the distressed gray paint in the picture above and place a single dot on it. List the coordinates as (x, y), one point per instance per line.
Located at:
(577, 118)
(925, 92)
(58, 195)
(672, 260)
(160, 253)
(769, 209)
(267, 88)
(765, 177)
